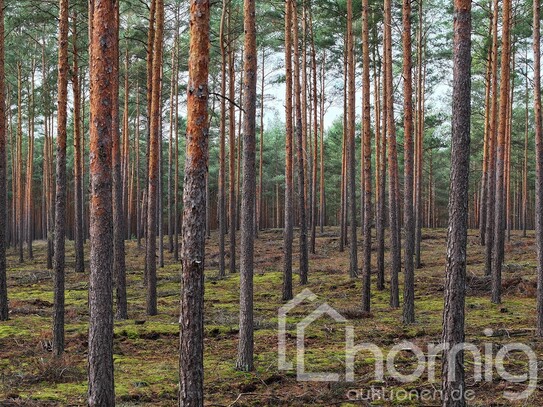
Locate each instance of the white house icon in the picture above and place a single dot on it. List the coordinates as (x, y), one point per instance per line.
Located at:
(322, 310)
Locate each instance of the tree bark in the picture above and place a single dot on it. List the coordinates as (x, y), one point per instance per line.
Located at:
(380, 152)
(102, 98)
(222, 145)
(315, 138)
(60, 201)
(409, 220)
(245, 349)
(393, 190)
(366, 134)
(486, 143)
(455, 278)
(19, 228)
(351, 129)
(29, 220)
(539, 164)
(154, 152)
(492, 142)
(289, 189)
(499, 221)
(78, 157)
(119, 268)
(4, 309)
(191, 365)
(232, 201)
(300, 151)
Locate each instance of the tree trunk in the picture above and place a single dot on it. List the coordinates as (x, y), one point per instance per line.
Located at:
(78, 157)
(492, 140)
(102, 99)
(222, 145)
(524, 205)
(191, 364)
(419, 134)
(245, 349)
(29, 221)
(300, 151)
(119, 268)
(315, 138)
(19, 243)
(486, 143)
(366, 134)
(232, 149)
(455, 277)
(139, 202)
(4, 311)
(176, 187)
(321, 189)
(499, 225)
(351, 147)
(393, 190)
(409, 220)
(289, 189)
(260, 192)
(154, 162)
(60, 201)
(380, 152)
(539, 165)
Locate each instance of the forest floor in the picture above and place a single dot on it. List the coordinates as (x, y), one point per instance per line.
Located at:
(146, 348)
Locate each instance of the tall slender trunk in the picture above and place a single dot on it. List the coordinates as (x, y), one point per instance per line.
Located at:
(393, 190)
(380, 169)
(29, 219)
(154, 161)
(176, 187)
(222, 144)
(499, 225)
(20, 199)
(139, 203)
(260, 192)
(191, 364)
(125, 157)
(486, 144)
(409, 220)
(289, 189)
(366, 133)
(4, 310)
(524, 206)
(60, 201)
(380, 153)
(232, 202)
(351, 147)
(321, 189)
(102, 100)
(149, 93)
(315, 137)
(246, 342)
(492, 140)
(304, 266)
(119, 268)
(170, 145)
(78, 157)
(419, 134)
(455, 276)
(539, 165)
(343, 203)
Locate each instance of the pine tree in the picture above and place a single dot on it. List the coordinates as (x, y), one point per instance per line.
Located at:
(102, 62)
(246, 345)
(3, 178)
(60, 201)
(455, 277)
